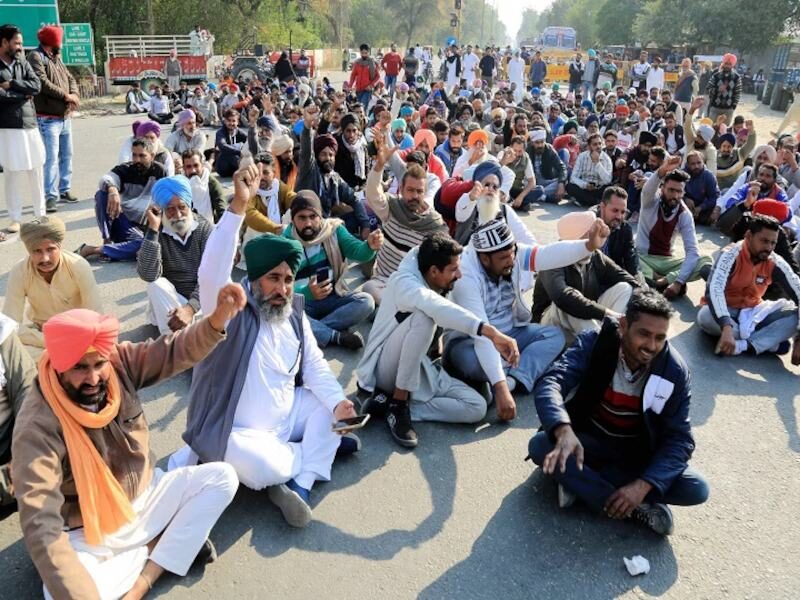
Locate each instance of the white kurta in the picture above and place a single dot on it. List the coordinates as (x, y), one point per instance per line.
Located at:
(21, 149)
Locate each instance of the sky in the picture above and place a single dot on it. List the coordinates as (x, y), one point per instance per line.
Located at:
(510, 11)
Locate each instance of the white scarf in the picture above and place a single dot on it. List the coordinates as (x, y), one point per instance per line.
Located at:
(270, 199)
(201, 197)
(359, 152)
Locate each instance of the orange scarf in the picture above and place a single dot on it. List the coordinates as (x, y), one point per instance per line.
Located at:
(104, 505)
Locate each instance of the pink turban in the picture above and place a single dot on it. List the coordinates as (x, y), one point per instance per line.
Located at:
(72, 334)
(425, 135)
(146, 127)
(731, 58)
(573, 226)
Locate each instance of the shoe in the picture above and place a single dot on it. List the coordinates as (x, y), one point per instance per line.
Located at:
(782, 348)
(295, 510)
(352, 340)
(50, 205)
(565, 497)
(376, 405)
(399, 421)
(349, 444)
(657, 517)
(206, 555)
(69, 197)
(13, 227)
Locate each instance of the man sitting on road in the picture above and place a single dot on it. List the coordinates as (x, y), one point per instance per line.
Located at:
(265, 399)
(330, 307)
(579, 296)
(663, 214)
(406, 384)
(208, 195)
(701, 191)
(622, 441)
(592, 172)
(98, 518)
(121, 204)
(764, 186)
(170, 255)
(50, 279)
(317, 160)
(272, 199)
(17, 371)
(493, 267)
(229, 143)
(735, 309)
(550, 172)
(620, 246)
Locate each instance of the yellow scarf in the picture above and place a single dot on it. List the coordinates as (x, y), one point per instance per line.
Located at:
(104, 505)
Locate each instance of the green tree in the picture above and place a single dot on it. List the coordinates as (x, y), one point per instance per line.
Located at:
(530, 26)
(615, 19)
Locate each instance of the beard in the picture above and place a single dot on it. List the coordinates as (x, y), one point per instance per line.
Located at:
(264, 144)
(181, 225)
(326, 166)
(286, 163)
(271, 313)
(488, 207)
(309, 233)
(78, 396)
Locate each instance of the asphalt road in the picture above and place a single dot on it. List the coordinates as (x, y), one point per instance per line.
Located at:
(464, 516)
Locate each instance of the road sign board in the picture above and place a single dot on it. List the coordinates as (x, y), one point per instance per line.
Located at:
(78, 45)
(29, 16)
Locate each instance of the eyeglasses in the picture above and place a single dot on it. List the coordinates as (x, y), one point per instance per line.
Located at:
(491, 186)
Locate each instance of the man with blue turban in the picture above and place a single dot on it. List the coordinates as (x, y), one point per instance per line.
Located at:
(169, 257)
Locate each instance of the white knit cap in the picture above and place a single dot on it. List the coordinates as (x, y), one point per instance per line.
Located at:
(492, 236)
(538, 135)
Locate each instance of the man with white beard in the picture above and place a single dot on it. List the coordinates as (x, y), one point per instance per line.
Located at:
(208, 195)
(170, 255)
(265, 399)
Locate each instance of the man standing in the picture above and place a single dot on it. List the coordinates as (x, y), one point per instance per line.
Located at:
(663, 214)
(170, 255)
(590, 72)
(50, 279)
(734, 307)
(98, 518)
(265, 399)
(724, 89)
(327, 245)
(620, 246)
(576, 69)
(579, 296)
(488, 67)
(406, 385)
(622, 442)
(538, 71)
(364, 76)
(494, 266)
(639, 72)
(173, 70)
(411, 67)
(516, 76)
(592, 172)
(22, 152)
(390, 64)
(54, 103)
(655, 77)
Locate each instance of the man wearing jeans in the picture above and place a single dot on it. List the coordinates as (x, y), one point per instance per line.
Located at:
(622, 442)
(54, 103)
(364, 76)
(327, 245)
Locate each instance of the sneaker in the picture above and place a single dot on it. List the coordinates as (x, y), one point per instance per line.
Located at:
(399, 421)
(565, 497)
(349, 444)
(293, 507)
(69, 197)
(657, 517)
(376, 405)
(206, 555)
(13, 227)
(352, 340)
(50, 205)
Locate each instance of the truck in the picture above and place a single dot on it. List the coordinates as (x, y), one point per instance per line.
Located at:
(142, 58)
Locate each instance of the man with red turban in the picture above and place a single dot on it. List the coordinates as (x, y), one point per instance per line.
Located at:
(724, 89)
(57, 99)
(98, 519)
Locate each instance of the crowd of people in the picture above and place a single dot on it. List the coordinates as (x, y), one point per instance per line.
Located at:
(386, 203)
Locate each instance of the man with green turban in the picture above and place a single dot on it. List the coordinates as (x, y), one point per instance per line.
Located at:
(265, 399)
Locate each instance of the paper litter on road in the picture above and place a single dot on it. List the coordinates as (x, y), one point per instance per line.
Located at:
(638, 565)
(480, 428)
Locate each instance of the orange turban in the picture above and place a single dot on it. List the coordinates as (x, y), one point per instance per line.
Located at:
(479, 135)
(74, 333)
(425, 135)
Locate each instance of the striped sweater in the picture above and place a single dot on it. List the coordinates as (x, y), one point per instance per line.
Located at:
(161, 255)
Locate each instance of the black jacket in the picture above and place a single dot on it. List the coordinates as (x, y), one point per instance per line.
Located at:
(16, 103)
(576, 288)
(552, 166)
(621, 248)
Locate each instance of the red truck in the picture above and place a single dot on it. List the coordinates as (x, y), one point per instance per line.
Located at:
(142, 58)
